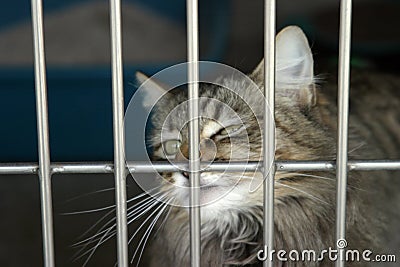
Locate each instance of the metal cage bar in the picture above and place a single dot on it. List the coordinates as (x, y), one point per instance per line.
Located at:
(343, 121)
(269, 127)
(144, 167)
(44, 170)
(194, 138)
(120, 171)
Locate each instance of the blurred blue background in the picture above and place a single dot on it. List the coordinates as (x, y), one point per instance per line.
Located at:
(79, 74)
(154, 36)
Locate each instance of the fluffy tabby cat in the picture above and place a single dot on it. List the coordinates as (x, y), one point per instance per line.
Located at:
(305, 118)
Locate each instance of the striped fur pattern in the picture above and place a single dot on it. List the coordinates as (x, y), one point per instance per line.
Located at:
(305, 119)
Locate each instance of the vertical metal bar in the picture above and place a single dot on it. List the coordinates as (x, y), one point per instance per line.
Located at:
(269, 130)
(120, 172)
(43, 133)
(194, 153)
(343, 110)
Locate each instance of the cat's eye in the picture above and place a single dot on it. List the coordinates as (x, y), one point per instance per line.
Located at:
(171, 147)
(230, 129)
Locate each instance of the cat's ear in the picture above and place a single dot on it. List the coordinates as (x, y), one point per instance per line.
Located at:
(150, 89)
(294, 60)
(294, 66)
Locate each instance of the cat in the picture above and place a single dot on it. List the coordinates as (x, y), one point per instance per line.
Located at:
(305, 202)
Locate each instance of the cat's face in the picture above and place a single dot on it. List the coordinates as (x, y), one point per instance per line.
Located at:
(231, 128)
(228, 132)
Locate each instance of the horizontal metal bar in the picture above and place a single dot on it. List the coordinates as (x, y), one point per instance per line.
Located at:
(83, 167)
(372, 165)
(305, 166)
(204, 166)
(19, 168)
(146, 167)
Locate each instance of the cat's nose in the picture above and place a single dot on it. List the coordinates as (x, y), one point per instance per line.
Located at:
(208, 149)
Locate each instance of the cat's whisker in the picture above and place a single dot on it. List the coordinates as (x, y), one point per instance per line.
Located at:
(144, 193)
(109, 234)
(151, 199)
(148, 206)
(88, 194)
(351, 150)
(134, 215)
(101, 191)
(357, 147)
(101, 209)
(287, 175)
(325, 178)
(291, 187)
(139, 206)
(144, 222)
(100, 231)
(104, 208)
(147, 234)
(95, 224)
(237, 175)
(142, 203)
(107, 231)
(304, 192)
(92, 238)
(85, 243)
(165, 218)
(89, 211)
(291, 174)
(92, 250)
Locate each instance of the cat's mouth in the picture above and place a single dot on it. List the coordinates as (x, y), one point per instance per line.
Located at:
(209, 187)
(205, 183)
(213, 187)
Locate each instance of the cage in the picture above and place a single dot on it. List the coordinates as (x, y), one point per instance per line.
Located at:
(81, 132)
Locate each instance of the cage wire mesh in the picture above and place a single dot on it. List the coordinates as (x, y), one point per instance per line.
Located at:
(44, 169)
